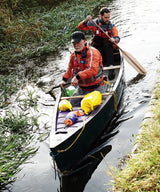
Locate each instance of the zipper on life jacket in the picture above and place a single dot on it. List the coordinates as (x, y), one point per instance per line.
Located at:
(78, 63)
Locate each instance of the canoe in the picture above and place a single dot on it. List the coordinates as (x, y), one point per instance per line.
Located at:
(69, 145)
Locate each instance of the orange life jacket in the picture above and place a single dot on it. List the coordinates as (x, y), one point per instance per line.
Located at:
(80, 65)
(98, 34)
(87, 65)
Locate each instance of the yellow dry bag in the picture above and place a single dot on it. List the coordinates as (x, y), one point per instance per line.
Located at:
(65, 105)
(91, 101)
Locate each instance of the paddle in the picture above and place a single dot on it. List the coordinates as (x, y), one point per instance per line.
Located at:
(127, 56)
(50, 90)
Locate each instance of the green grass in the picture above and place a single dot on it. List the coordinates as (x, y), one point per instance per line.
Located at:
(142, 171)
(15, 138)
(10, 84)
(42, 31)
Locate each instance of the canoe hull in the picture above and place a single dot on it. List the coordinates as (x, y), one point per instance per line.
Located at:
(69, 153)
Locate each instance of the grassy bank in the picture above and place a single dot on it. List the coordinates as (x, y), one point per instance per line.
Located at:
(15, 138)
(18, 124)
(142, 171)
(40, 30)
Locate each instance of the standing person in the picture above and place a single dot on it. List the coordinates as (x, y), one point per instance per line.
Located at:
(85, 68)
(100, 41)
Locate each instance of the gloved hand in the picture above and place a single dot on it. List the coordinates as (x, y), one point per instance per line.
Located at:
(62, 84)
(88, 18)
(112, 40)
(74, 81)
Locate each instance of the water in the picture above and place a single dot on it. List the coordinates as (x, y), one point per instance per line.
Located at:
(139, 26)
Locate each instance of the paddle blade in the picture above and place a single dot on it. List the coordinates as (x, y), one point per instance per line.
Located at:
(133, 62)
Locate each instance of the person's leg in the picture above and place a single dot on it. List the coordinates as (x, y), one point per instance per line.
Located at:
(75, 102)
(101, 89)
(108, 53)
(108, 58)
(98, 47)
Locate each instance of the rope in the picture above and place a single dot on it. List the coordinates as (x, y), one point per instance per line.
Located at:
(64, 150)
(107, 82)
(115, 100)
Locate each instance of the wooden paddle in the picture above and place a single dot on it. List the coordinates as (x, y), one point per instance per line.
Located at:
(127, 56)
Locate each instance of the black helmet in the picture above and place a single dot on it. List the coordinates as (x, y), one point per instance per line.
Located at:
(77, 36)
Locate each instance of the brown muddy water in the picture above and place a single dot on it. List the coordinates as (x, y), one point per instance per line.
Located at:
(139, 25)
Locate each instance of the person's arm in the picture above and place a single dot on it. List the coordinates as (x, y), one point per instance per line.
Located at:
(68, 74)
(87, 24)
(115, 36)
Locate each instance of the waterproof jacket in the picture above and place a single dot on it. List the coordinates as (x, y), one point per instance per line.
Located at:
(87, 67)
(99, 36)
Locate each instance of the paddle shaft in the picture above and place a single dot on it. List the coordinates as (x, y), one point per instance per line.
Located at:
(127, 56)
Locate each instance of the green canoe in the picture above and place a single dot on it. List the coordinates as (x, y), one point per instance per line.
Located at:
(70, 144)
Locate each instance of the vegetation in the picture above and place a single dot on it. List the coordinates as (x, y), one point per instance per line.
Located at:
(15, 137)
(142, 172)
(17, 133)
(9, 84)
(28, 32)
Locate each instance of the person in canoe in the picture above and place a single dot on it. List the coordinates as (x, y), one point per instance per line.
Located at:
(85, 68)
(100, 41)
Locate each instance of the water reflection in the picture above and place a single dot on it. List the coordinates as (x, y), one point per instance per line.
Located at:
(77, 180)
(136, 80)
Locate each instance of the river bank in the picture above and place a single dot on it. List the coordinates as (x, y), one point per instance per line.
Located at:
(142, 169)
